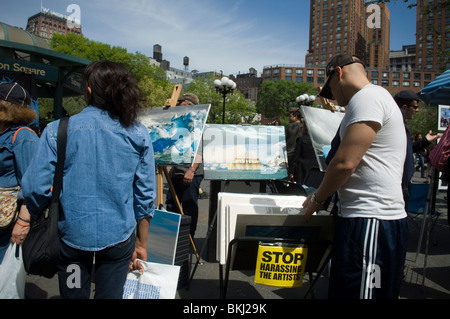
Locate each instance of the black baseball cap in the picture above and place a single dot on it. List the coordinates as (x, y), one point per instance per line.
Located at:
(13, 93)
(340, 60)
(404, 97)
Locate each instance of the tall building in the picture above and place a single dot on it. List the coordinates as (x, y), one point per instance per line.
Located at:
(378, 24)
(336, 26)
(432, 35)
(45, 23)
(348, 26)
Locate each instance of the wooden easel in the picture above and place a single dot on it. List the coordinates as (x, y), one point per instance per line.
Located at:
(163, 169)
(175, 95)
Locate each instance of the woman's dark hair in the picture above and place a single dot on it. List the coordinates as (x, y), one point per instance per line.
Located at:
(113, 89)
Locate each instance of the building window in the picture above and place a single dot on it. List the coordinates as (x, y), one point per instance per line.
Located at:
(395, 83)
(406, 83)
(287, 71)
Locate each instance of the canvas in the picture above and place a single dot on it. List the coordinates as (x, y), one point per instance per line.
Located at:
(444, 116)
(175, 132)
(244, 152)
(259, 206)
(322, 127)
(163, 237)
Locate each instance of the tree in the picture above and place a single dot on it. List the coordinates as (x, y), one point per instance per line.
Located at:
(237, 107)
(156, 93)
(151, 79)
(274, 97)
(424, 120)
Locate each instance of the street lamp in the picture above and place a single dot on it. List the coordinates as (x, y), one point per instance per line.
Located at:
(305, 99)
(224, 86)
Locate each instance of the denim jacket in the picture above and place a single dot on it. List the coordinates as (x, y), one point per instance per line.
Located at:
(15, 157)
(108, 183)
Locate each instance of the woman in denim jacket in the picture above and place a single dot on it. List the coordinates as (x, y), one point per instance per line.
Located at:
(108, 185)
(17, 146)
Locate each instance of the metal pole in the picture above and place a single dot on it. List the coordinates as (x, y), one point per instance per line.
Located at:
(224, 94)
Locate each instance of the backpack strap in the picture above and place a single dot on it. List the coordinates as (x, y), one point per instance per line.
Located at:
(15, 133)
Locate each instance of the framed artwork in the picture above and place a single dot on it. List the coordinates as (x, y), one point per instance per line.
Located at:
(262, 215)
(230, 205)
(175, 132)
(444, 117)
(322, 127)
(244, 152)
(163, 237)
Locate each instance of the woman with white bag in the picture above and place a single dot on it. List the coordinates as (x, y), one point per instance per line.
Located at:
(17, 147)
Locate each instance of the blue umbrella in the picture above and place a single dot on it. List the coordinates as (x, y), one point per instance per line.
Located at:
(438, 91)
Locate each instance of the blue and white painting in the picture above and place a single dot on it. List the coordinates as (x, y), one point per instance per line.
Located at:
(244, 152)
(175, 132)
(163, 237)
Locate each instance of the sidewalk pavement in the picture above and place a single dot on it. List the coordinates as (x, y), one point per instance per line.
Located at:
(427, 273)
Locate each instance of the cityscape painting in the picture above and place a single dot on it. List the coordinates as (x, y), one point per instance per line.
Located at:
(244, 152)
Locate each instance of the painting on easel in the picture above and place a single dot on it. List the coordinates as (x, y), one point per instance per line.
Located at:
(322, 127)
(175, 132)
(244, 152)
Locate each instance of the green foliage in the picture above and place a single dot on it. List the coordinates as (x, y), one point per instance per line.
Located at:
(156, 92)
(151, 79)
(274, 98)
(424, 121)
(237, 107)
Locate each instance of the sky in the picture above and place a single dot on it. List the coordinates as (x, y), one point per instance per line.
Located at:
(223, 36)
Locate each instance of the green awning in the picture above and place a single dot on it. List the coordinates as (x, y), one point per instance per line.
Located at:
(57, 74)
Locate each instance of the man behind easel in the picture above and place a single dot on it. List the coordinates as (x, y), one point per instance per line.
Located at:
(186, 180)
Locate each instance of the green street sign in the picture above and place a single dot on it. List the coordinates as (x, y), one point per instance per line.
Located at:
(41, 71)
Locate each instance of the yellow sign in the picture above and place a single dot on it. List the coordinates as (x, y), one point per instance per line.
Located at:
(280, 265)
